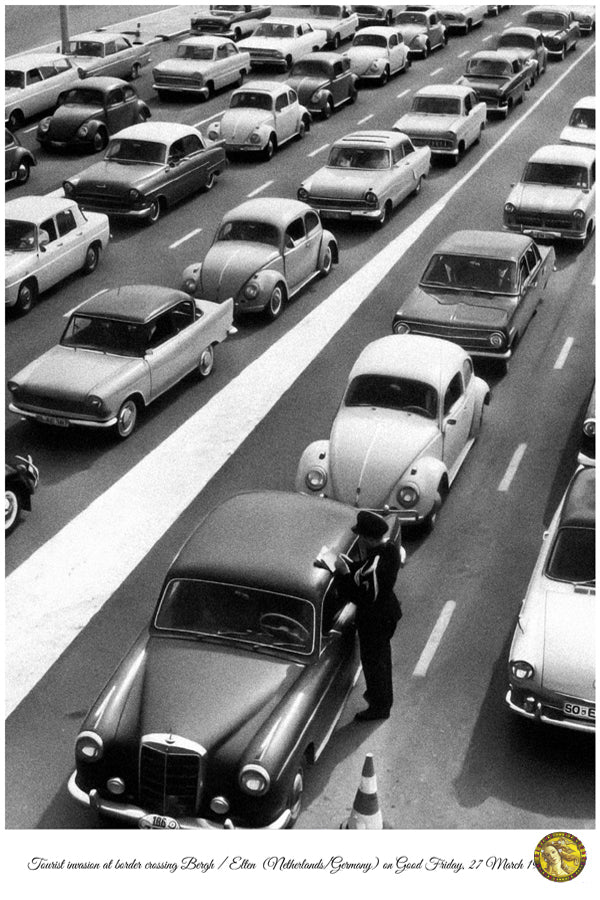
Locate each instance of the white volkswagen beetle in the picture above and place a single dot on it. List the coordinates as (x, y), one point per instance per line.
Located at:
(409, 416)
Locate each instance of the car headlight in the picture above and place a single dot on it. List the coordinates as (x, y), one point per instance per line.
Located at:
(251, 290)
(197, 76)
(375, 65)
(134, 195)
(44, 125)
(589, 427)
(82, 132)
(371, 198)
(68, 188)
(578, 214)
(89, 747)
(254, 779)
(509, 208)
(401, 328)
(13, 387)
(189, 285)
(255, 138)
(407, 496)
(277, 54)
(316, 479)
(303, 194)
(95, 402)
(214, 131)
(521, 669)
(497, 339)
(317, 96)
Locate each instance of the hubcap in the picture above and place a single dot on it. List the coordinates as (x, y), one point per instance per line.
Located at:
(127, 418)
(11, 507)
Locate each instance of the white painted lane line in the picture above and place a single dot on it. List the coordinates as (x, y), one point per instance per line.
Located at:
(258, 190)
(318, 150)
(488, 38)
(436, 72)
(464, 53)
(512, 467)
(204, 121)
(562, 358)
(185, 238)
(366, 119)
(67, 580)
(508, 24)
(434, 639)
(68, 315)
(402, 93)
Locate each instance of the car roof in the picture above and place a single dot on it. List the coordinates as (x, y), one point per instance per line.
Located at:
(385, 30)
(521, 29)
(564, 153)
(101, 83)
(282, 20)
(585, 103)
(323, 56)
(267, 87)
(506, 53)
(35, 209)
(444, 90)
(102, 36)
(205, 40)
(492, 244)
(560, 9)
(428, 359)
(579, 507)
(272, 210)
(132, 302)
(373, 138)
(267, 540)
(32, 60)
(155, 131)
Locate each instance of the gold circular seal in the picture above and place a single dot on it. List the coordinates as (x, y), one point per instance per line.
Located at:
(559, 856)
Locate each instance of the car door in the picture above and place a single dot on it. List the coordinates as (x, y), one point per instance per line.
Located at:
(118, 112)
(530, 287)
(10, 155)
(435, 29)
(457, 415)
(471, 122)
(169, 343)
(394, 53)
(52, 266)
(38, 91)
(188, 163)
(285, 115)
(298, 260)
(403, 172)
(71, 240)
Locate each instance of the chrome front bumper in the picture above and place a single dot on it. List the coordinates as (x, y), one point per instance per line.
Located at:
(538, 716)
(44, 417)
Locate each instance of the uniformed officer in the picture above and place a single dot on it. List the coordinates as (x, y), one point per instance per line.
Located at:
(370, 581)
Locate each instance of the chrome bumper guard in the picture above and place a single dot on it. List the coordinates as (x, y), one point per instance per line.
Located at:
(546, 720)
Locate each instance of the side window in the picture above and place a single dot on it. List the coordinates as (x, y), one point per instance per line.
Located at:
(115, 97)
(65, 221)
(122, 44)
(523, 271)
(160, 330)
(294, 233)
(191, 144)
(398, 153)
(453, 393)
(593, 174)
(109, 48)
(177, 151)
(50, 228)
(62, 65)
(222, 52)
(183, 315)
(231, 50)
(312, 222)
(129, 94)
(532, 255)
(281, 102)
(467, 371)
(393, 40)
(338, 69)
(468, 103)
(34, 76)
(333, 603)
(433, 19)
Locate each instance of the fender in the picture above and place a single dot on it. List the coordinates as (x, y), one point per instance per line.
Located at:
(266, 279)
(425, 474)
(482, 398)
(143, 111)
(190, 278)
(326, 240)
(315, 455)
(93, 126)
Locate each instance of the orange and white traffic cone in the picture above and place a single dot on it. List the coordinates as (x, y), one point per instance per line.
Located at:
(365, 812)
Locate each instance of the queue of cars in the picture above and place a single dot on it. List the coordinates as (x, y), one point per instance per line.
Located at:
(146, 755)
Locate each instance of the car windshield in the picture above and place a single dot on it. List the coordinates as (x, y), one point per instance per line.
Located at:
(82, 97)
(188, 51)
(411, 18)
(19, 235)
(583, 118)
(546, 19)
(106, 335)
(14, 79)
(86, 48)
(556, 174)
(369, 40)
(359, 158)
(471, 273)
(573, 557)
(489, 68)
(311, 67)
(272, 29)
(437, 106)
(329, 12)
(237, 614)
(251, 100)
(244, 230)
(390, 392)
(128, 150)
(517, 40)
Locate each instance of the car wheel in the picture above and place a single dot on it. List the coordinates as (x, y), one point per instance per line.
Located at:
(26, 297)
(426, 50)
(12, 509)
(335, 42)
(135, 71)
(385, 215)
(296, 797)
(126, 419)
(588, 233)
(92, 258)
(461, 152)
(240, 80)
(428, 523)
(385, 76)
(207, 361)
(15, 120)
(270, 148)
(275, 304)
(326, 265)
(210, 182)
(23, 170)
(288, 63)
(210, 90)
(155, 212)
(301, 129)
(418, 186)
(237, 35)
(327, 109)
(100, 140)
(353, 95)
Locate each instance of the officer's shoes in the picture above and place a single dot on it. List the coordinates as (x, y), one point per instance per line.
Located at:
(371, 714)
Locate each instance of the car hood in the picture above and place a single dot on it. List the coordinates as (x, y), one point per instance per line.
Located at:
(67, 119)
(550, 31)
(109, 174)
(548, 198)
(238, 124)
(66, 371)
(305, 85)
(409, 32)
(266, 43)
(184, 66)
(362, 57)
(451, 307)
(586, 137)
(569, 644)
(427, 123)
(209, 692)
(17, 263)
(370, 448)
(13, 94)
(229, 264)
(484, 86)
(342, 184)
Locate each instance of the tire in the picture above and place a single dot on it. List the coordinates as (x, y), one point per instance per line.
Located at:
(100, 140)
(461, 152)
(288, 63)
(327, 264)
(26, 297)
(135, 72)
(210, 90)
(385, 76)
(92, 258)
(270, 149)
(126, 419)
(426, 51)
(206, 362)
(13, 505)
(240, 80)
(155, 211)
(388, 17)
(588, 234)
(275, 304)
(327, 110)
(384, 218)
(295, 797)
(15, 120)
(23, 171)
(428, 523)
(335, 42)
(210, 182)
(418, 186)
(352, 96)
(301, 130)
(237, 35)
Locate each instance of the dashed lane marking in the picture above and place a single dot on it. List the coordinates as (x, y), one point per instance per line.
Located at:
(185, 238)
(512, 468)
(259, 190)
(402, 93)
(366, 119)
(318, 150)
(562, 357)
(436, 71)
(488, 38)
(435, 638)
(464, 53)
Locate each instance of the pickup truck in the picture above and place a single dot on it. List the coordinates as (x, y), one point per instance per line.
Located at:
(340, 22)
(234, 22)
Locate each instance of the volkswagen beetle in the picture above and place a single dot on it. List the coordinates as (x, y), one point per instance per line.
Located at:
(21, 478)
(581, 128)
(18, 160)
(423, 31)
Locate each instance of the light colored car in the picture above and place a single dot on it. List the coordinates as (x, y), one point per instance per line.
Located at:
(528, 43)
(409, 416)
(423, 31)
(230, 21)
(148, 168)
(500, 78)
(462, 17)
(558, 26)
(262, 116)
(121, 350)
(556, 196)
(339, 21)
(587, 438)
(581, 129)
(265, 251)
(47, 239)
(447, 117)
(323, 82)
(33, 83)
(551, 664)
(202, 66)
(385, 14)
(367, 175)
(585, 16)
(378, 53)
(280, 42)
(108, 53)
(18, 160)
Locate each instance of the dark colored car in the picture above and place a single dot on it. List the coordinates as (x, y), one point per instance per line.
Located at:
(234, 689)
(587, 438)
(147, 168)
(234, 22)
(89, 113)
(479, 289)
(18, 160)
(500, 78)
(323, 81)
(528, 43)
(20, 481)
(558, 26)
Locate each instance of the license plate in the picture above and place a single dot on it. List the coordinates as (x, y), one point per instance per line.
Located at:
(158, 822)
(538, 235)
(334, 214)
(53, 420)
(580, 712)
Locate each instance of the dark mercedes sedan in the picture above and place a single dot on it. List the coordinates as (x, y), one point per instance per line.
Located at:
(220, 707)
